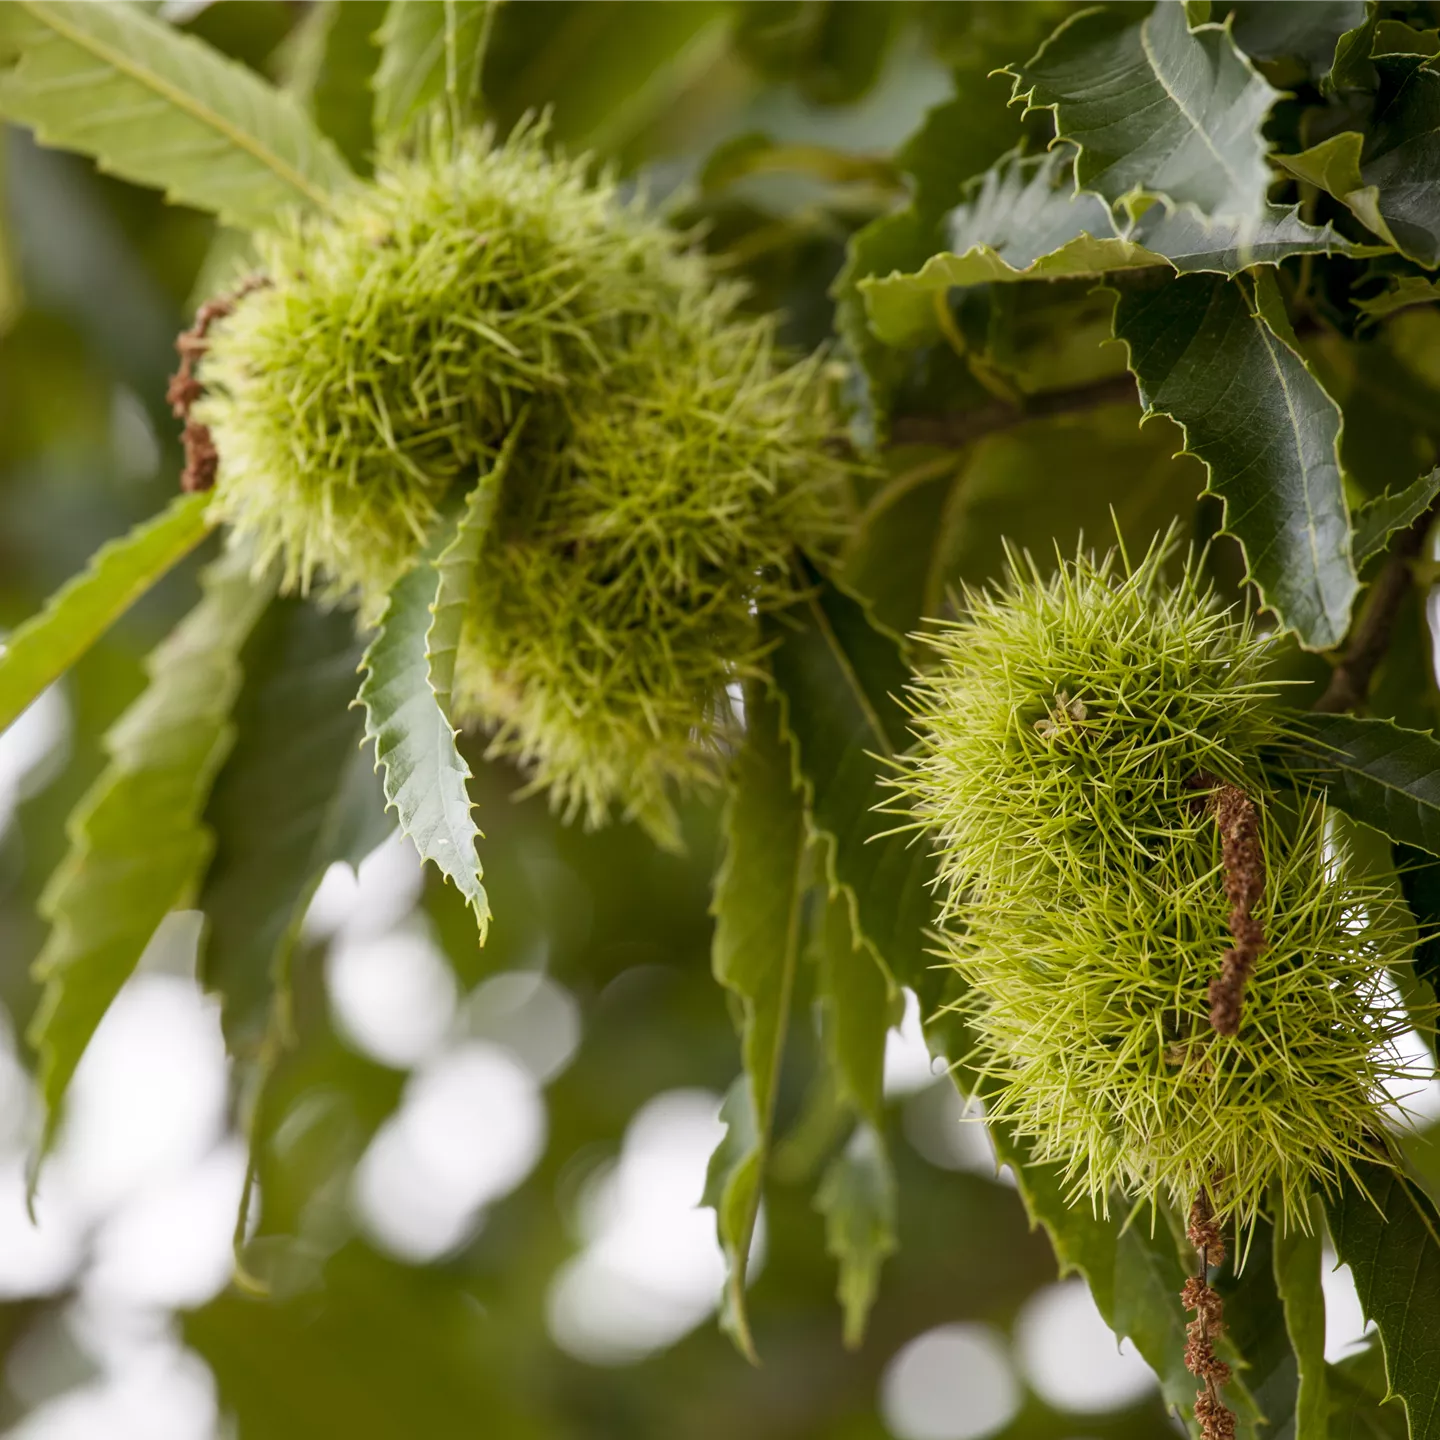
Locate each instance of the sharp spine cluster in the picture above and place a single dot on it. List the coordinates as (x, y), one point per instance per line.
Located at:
(1062, 734)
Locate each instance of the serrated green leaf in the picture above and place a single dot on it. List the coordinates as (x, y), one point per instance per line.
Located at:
(1023, 220)
(839, 678)
(1378, 773)
(1361, 1406)
(1378, 520)
(1334, 167)
(431, 50)
(138, 845)
(1219, 360)
(857, 1199)
(757, 907)
(162, 109)
(1401, 159)
(860, 1003)
(295, 795)
(1388, 1233)
(42, 649)
(424, 773)
(1304, 30)
(1156, 109)
(1296, 1262)
(1257, 1338)
(1402, 292)
(331, 67)
(1351, 69)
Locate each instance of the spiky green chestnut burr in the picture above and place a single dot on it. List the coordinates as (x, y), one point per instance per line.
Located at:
(671, 459)
(1072, 738)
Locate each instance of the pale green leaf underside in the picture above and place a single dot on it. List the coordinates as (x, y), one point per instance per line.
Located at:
(138, 846)
(858, 1200)
(1025, 221)
(757, 908)
(423, 772)
(1218, 360)
(78, 614)
(431, 50)
(162, 109)
(1156, 110)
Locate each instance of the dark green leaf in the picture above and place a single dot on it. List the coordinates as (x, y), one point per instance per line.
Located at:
(1419, 874)
(1378, 773)
(138, 845)
(162, 109)
(1156, 109)
(1218, 359)
(832, 50)
(295, 795)
(1388, 1233)
(1378, 520)
(1402, 154)
(76, 616)
(1402, 292)
(1297, 1263)
(431, 50)
(1306, 30)
(840, 679)
(857, 1199)
(1361, 1406)
(758, 894)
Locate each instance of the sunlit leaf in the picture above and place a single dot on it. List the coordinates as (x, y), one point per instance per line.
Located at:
(1156, 109)
(138, 844)
(76, 616)
(162, 109)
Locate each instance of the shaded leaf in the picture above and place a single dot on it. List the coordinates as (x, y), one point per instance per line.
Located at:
(1219, 360)
(857, 1199)
(38, 652)
(833, 50)
(1388, 1233)
(1378, 773)
(424, 773)
(758, 894)
(1419, 875)
(1401, 159)
(1380, 518)
(1023, 220)
(1296, 1260)
(162, 109)
(1156, 109)
(295, 795)
(331, 67)
(138, 845)
(1305, 30)
(1361, 1406)
(431, 50)
(839, 678)
(861, 1003)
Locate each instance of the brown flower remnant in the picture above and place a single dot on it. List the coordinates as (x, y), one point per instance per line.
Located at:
(1216, 1421)
(201, 458)
(1244, 888)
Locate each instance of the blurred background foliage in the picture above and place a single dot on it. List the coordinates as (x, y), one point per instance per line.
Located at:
(479, 1170)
